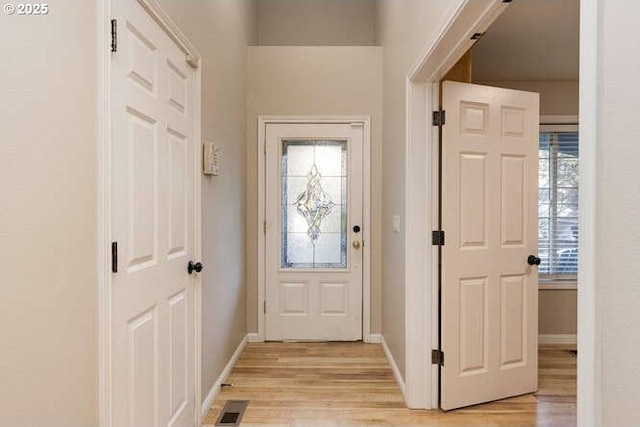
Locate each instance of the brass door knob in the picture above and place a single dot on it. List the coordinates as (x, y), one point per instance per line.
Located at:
(356, 244)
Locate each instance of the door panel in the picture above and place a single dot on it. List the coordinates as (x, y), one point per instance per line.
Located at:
(177, 165)
(143, 144)
(314, 198)
(473, 227)
(513, 320)
(473, 325)
(513, 200)
(143, 365)
(489, 212)
(152, 211)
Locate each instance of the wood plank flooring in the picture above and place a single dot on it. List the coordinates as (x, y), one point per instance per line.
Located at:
(344, 384)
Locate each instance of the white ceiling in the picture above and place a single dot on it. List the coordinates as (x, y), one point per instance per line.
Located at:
(531, 40)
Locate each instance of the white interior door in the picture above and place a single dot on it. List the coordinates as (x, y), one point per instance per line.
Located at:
(314, 242)
(490, 217)
(154, 119)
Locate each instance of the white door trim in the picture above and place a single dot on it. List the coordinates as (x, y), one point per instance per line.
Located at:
(452, 40)
(590, 329)
(172, 30)
(103, 41)
(366, 191)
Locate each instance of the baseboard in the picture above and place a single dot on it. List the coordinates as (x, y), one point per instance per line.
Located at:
(253, 337)
(374, 339)
(566, 339)
(394, 365)
(213, 393)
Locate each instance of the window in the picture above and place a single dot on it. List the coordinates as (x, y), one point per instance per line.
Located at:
(314, 204)
(558, 202)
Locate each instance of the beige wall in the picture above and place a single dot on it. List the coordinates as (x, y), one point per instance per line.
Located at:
(403, 28)
(558, 312)
(316, 22)
(557, 98)
(221, 31)
(48, 228)
(314, 81)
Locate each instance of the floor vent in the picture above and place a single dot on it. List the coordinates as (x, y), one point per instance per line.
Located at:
(232, 413)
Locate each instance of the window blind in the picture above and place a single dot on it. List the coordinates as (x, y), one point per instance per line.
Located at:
(558, 204)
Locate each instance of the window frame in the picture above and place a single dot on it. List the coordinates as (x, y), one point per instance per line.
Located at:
(558, 123)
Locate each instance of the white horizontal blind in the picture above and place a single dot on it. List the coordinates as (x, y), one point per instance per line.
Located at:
(558, 203)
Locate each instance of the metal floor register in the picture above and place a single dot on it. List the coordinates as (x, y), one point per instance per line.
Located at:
(232, 413)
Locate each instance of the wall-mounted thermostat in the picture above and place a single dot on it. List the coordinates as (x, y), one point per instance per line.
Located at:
(210, 159)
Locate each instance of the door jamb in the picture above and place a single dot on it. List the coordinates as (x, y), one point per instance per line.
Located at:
(452, 40)
(103, 200)
(366, 214)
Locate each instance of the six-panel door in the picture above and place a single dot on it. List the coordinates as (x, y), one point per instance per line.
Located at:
(489, 214)
(152, 209)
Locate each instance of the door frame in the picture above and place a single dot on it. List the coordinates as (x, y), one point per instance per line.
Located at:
(103, 200)
(263, 121)
(451, 40)
(449, 43)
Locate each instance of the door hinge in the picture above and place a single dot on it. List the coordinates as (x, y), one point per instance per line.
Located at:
(437, 237)
(264, 227)
(114, 35)
(437, 357)
(114, 257)
(438, 118)
(264, 307)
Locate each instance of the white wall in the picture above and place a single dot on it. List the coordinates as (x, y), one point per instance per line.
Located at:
(221, 31)
(609, 295)
(314, 81)
(316, 22)
(403, 28)
(48, 228)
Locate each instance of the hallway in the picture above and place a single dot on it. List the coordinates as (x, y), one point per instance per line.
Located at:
(325, 384)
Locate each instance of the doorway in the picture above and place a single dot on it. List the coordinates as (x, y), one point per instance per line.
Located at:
(314, 212)
(467, 24)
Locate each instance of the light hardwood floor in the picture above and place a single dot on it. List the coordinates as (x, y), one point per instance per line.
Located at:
(343, 384)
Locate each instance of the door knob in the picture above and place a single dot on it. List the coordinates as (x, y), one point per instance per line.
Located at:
(533, 260)
(356, 244)
(197, 267)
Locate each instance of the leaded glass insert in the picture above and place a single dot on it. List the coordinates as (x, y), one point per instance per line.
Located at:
(314, 204)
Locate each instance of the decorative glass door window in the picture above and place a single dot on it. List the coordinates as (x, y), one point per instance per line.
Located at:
(314, 204)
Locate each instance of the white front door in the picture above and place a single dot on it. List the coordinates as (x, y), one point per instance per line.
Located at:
(490, 217)
(153, 122)
(314, 229)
